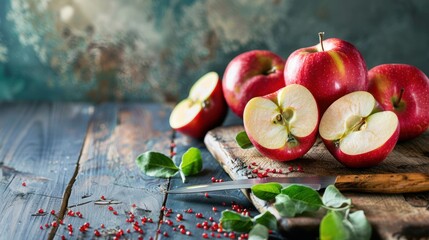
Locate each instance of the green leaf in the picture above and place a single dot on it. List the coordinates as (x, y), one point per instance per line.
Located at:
(156, 164)
(259, 232)
(267, 219)
(266, 191)
(232, 221)
(192, 163)
(333, 228)
(333, 198)
(360, 226)
(243, 140)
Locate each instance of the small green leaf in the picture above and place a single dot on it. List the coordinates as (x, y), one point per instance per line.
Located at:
(333, 228)
(192, 163)
(361, 228)
(156, 164)
(296, 199)
(267, 219)
(266, 191)
(259, 232)
(232, 221)
(333, 198)
(243, 140)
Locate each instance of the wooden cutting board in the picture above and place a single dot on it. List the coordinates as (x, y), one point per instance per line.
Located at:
(394, 216)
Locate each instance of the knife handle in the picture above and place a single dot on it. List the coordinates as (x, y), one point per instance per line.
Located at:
(384, 183)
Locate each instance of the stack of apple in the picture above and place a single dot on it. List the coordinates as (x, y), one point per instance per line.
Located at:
(323, 89)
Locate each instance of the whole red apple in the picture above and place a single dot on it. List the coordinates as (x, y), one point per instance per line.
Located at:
(204, 109)
(251, 74)
(282, 125)
(330, 70)
(357, 132)
(403, 89)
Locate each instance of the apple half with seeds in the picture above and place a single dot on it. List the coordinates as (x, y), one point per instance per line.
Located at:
(282, 125)
(357, 132)
(204, 109)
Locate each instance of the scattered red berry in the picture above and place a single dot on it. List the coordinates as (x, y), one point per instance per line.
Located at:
(188, 233)
(41, 211)
(165, 234)
(214, 209)
(134, 205)
(97, 233)
(41, 227)
(24, 184)
(205, 235)
(198, 215)
(110, 208)
(206, 195)
(115, 212)
(53, 212)
(211, 219)
(102, 225)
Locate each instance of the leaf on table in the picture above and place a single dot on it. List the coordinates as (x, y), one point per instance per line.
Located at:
(259, 232)
(232, 221)
(243, 140)
(333, 198)
(156, 164)
(360, 227)
(333, 228)
(297, 199)
(192, 162)
(266, 191)
(267, 219)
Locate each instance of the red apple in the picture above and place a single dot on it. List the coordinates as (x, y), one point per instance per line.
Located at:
(282, 125)
(204, 109)
(251, 74)
(403, 89)
(356, 132)
(330, 70)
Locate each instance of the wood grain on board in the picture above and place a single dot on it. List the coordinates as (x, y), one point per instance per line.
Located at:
(392, 215)
(39, 149)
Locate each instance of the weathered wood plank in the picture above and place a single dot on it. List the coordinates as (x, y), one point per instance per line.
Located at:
(117, 134)
(391, 215)
(39, 145)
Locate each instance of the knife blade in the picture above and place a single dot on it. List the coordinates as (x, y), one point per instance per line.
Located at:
(375, 183)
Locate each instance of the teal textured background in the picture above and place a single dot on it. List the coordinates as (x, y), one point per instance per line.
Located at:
(101, 50)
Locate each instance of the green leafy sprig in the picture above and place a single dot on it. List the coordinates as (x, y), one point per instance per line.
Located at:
(156, 164)
(291, 201)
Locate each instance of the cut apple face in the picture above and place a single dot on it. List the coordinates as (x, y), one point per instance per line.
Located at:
(188, 109)
(352, 124)
(281, 118)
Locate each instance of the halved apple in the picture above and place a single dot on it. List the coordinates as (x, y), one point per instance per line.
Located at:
(282, 125)
(204, 109)
(357, 132)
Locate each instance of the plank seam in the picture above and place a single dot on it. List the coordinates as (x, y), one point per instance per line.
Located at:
(68, 190)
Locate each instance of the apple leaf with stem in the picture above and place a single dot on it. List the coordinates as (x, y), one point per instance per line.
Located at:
(232, 221)
(267, 219)
(243, 140)
(296, 199)
(191, 164)
(156, 164)
(333, 198)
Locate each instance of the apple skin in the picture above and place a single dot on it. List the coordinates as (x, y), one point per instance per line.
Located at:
(252, 74)
(209, 117)
(367, 159)
(286, 153)
(330, 74)
(385, 84)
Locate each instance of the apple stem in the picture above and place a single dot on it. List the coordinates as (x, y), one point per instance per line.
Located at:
(321, 34)
(396, 104)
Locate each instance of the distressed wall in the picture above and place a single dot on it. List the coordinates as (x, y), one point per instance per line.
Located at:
(102, 50)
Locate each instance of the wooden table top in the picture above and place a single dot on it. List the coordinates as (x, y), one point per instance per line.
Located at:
(81, 157)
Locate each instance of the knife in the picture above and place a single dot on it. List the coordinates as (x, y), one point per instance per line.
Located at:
(372, 183)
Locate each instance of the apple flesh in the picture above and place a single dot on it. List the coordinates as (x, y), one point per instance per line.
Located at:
(282, 125)
(330, 70)
(356, 132)
(403, 89)
(203, 110)
(252, 74)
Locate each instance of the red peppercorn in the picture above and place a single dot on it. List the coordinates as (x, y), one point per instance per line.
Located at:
(53, 212)
(102, 197)
(70, 213)
(134, 205)
(110, 208)
(115, 212)
(47, 225)
(102, 225)
(189, 210)
(54, 224)
(254, 163)
(255, 170)
(188, 233)
(179, 217)
(213, 179)
(150, 220)
(280, 171)
(199, 225)
(198, 215)
(212, 234)
(205, 235)
(165, 234)
(24, 184)
(205, 224)
(182, 231)
(41, 227)
(63, 237)
(206, 195)
(41, 211)
(214, 209)
(211, 219)
(97, 233)
(290, 168)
